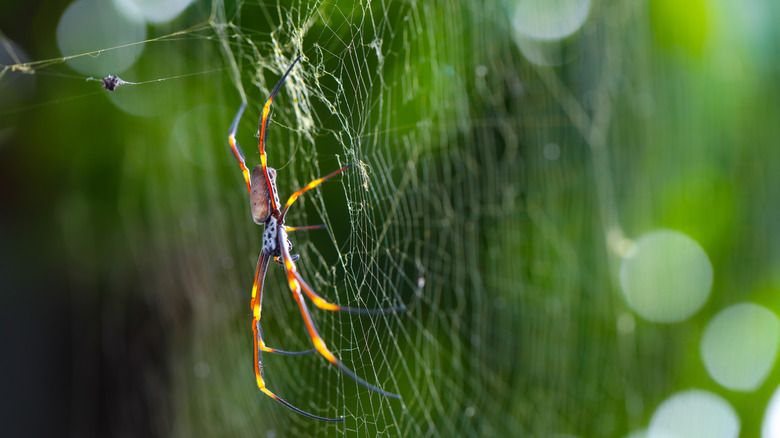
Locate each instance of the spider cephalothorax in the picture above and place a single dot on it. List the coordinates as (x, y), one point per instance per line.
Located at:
(266, 210)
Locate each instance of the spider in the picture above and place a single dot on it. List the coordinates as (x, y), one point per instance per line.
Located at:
(264, 200)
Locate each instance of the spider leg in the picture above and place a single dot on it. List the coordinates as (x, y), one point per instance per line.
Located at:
(295, 257)
(257, 296)
(308, 227)
(257, 307)
(311, 326)
(234, 146)
(298, 410)
(261, 385)
(326, 305)
(264, 125)
(317, 299)
(310, 186)
(279, 261)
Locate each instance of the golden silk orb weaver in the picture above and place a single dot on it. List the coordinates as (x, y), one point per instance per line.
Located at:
(264, 203)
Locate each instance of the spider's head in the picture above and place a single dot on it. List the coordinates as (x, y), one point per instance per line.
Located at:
(260, 199)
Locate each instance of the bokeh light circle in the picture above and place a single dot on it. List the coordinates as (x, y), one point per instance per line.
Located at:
(551, 151)
(155, 98)
(191, 130)
(93, 25)
(542, 52)
(739, 346)
(770, 428)
(154, 11)
(666, 277)
(694, 413)
(549, 19)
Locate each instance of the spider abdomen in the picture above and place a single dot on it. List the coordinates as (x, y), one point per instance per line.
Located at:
(260, 198)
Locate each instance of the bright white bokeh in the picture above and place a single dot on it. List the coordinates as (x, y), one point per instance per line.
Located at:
(549, 19)
(154, 11)
(694, 413)
(666, 276)
(96, 26)
(770, 428)
(739, 346)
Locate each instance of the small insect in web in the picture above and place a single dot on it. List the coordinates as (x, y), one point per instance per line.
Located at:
(264, 198)
(111, 82)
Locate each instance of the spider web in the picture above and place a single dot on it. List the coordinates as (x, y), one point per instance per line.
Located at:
(397, 89)
(509, 322)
